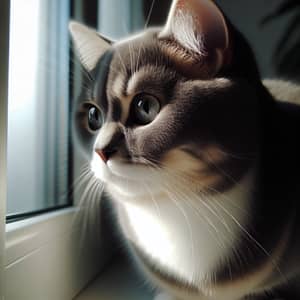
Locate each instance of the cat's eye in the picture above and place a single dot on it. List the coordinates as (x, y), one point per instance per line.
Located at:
(145, 108)
(95, 119)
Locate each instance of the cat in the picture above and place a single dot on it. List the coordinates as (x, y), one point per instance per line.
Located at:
(198, 158)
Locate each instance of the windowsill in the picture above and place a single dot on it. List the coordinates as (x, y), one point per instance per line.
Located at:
(119, 282)
(47, 257)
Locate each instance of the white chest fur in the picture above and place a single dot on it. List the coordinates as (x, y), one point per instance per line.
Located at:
(186, 233)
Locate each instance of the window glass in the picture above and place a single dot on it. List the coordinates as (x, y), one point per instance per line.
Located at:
(38, 108)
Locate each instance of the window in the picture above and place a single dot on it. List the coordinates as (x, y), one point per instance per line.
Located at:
(38, 106)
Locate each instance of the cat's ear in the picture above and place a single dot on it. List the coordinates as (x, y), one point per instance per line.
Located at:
(198, 27)
(89, 44)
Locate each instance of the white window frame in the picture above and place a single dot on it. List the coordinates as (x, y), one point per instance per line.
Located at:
(4, 33)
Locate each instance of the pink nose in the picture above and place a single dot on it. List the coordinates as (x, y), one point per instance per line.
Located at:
(102, 154)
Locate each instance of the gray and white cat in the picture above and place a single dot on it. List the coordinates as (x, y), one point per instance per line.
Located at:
(199, 160)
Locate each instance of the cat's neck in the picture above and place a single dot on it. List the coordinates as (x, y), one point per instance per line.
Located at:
(203, 229)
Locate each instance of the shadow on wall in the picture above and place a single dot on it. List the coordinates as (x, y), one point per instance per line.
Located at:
(286, 55)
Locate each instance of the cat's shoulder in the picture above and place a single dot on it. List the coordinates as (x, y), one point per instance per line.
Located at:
(283, 90)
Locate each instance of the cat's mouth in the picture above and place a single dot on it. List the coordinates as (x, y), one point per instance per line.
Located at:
(127, 177)
(122, 168)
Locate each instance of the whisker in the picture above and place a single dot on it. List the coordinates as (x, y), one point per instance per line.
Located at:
(187, 223)
(223, 172)
(121, 61)
(149, 14)
(251, 238)
(207, 219)
(93, 212)
(85, 211)
(131, 58)
(240, 156)
(76, 184)
(203, 216)
(154, 201)
(184, 176)
(138, 57)
(211, 207)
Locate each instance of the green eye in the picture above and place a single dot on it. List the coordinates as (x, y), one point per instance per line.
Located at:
(94, 118)
(146, 108)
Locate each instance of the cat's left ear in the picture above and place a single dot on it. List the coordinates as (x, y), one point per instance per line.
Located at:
(88, 43)
(197, 27)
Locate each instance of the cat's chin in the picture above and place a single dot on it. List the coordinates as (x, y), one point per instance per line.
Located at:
(125, 179)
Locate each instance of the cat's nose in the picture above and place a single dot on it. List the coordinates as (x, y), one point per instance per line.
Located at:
(105, 153)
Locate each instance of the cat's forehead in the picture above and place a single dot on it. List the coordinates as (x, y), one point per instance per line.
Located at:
(137, 51)
(139, 64)
(146, 41)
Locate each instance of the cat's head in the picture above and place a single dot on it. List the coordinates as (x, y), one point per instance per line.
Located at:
(171, 104)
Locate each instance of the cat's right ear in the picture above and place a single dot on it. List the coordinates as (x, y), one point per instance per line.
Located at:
(197, 29)
(89, 44)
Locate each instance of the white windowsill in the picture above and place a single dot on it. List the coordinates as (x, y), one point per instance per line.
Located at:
(48, 258)
(119, 282)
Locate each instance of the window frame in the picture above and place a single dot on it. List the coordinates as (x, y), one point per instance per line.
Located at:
(4, 48)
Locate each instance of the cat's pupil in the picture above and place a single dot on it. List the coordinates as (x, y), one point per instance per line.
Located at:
(94, 118)
(145, 105)
(146, 108)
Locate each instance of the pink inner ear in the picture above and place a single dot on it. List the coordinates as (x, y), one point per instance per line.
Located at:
(208, 22)
(196, 27)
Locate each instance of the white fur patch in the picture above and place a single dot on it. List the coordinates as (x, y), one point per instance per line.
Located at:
(117, 87)
(134, 79)
(190, 234)
(105, 135)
